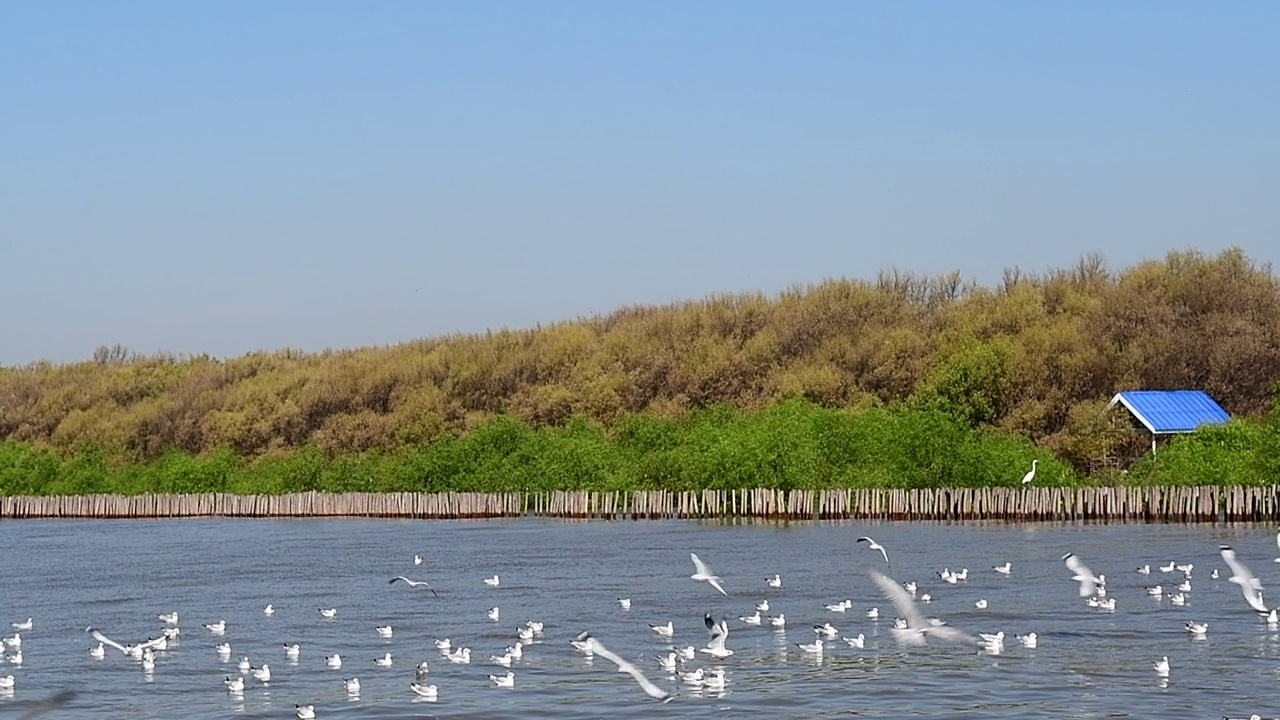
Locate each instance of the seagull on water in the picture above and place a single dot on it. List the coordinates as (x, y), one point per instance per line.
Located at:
(223, 649)
(461, 656)
(1144, 570)
(776, 580)
(1031, 474)
(234, 684)
(856, 642)
(1240, 575)
(414, 583)
(494, 613)
(1030, 640)
(329, 614)
(263, 674)
(426, 691)
(981, 604)
(99, 652)
(700, 572)
(918, 628)
(751, 619)
(1088, 581)
(826, 630)
(292, 651)
(305, 712)
(1197, 629)
(444, 645)
(623, 666)
(169, 618)
(508, 680)
(352, 685)
(665, 631)
(1162, 666)
(719, 633)
(245, 666)
(778, 621)
(492, 581)
(384, 631)
(815, 647)
(417, 559)
(763, 605)
(384, 661)
(22, 625)
(422, 669)
(333, 661)
(624, 603)
(873, 545)
(271, 610)
(1004, 569)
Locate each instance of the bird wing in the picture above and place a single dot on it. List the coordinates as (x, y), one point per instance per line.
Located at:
(106, 640)
(719, 633)
(715, 583)
(623, 666)
(699, 567)
(885, 554)
(901, 600)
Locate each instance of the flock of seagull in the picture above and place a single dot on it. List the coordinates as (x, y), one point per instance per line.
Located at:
(911, 628)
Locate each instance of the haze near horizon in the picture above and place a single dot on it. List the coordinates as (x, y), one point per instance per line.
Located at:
(226, 178)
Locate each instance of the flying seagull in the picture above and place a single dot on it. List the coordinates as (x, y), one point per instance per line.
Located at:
(702, 573)
(414, 584)
(918, 628)
(872, 544)
(1240, 575)
(719, 633)
(623, 666)
(1088, 581)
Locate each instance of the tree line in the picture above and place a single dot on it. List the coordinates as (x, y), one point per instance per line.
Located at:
(1035, 356)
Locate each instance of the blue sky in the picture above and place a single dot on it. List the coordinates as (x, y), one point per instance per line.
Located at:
(231, 176)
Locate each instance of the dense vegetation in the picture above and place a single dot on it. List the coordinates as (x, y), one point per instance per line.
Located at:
(901, 381)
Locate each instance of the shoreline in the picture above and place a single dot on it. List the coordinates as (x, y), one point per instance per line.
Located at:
(1139, 503)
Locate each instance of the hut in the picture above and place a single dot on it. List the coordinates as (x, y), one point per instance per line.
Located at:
(1165, 413)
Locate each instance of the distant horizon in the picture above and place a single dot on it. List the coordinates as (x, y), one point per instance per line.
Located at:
(242, 177)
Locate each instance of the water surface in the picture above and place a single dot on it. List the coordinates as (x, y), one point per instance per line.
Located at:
(119, 575)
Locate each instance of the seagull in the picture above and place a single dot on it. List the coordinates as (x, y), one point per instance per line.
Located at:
(508, 680)
(918, 628)
(426, 691)
(1031, 474)
(422, 669)
(856, 642)
(333, 661)
(873, 545)
(516, 651)
(494, 613)
(305, 712)
(874, 613)
(263, 673)
(776, 580)
(751, 619)
(702, 573)
(384, 631)
(292, 651)
(224, 650)
(384, 661)
(763, 605)
(414, 584)
(234, 684)
(461, 656)
(981, 604)
(665, 631)
(778, 621)
(815, 647)
(134, 651)
(1162, 666)
(623, 666)
(1240, 575)
(624, 603)
(329, 614)
(826, 630)
(503, 660)
(417, 559)
(1197, 629)
(1029, 640)
(1144, 570)
(1168, 568)
(1088, 581)
(22, 625)
(99, 652)
(352, 685)
(667, 662)
(444, 645)
(492, 581)
(719, 633)
(270, 610)
(584, 647)
(169, 618)
(245, 666)
(1004, 569)
(13, 642)
(217, 628)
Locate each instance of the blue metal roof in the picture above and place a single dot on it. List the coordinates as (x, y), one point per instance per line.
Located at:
(1171, 411)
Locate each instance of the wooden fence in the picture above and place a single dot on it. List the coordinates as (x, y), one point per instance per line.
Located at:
(1149, 504)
